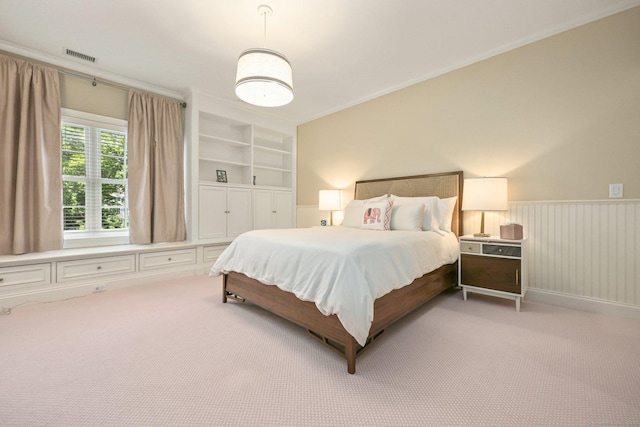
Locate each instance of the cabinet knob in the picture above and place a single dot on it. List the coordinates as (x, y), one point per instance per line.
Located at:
(500, 250)
(99, 267)
(470, 248)
(1, 279)
(169, 258)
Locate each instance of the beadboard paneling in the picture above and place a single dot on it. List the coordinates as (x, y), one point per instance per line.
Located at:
(587, 249)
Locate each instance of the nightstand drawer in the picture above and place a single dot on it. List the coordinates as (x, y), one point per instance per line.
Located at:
(470, 247)
(502, 250)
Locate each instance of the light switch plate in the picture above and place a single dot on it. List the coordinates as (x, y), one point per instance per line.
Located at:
(616, 191)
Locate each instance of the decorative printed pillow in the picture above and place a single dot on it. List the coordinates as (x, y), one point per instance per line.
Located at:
(382, 198)
(377, 216)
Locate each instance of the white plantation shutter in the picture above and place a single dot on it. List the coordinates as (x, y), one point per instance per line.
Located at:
(94, 173)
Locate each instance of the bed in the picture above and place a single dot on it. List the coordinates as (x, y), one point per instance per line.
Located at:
(386, 301)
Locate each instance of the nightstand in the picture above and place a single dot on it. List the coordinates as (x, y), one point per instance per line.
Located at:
(493, 266)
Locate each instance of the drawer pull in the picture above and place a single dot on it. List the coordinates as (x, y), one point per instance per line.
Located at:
(470, 248)
(1, 279)
(500, 250)
(99, 267)
(169, 258)
(517, 278)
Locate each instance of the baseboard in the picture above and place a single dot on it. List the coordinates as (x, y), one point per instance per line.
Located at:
(583, 303)
(79, 289)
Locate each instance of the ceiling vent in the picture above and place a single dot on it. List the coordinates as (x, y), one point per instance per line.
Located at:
(80, 55)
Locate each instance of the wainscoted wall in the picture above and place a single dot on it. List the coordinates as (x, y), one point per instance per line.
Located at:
(584, 254)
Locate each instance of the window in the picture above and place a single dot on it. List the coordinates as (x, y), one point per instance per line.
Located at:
(94, 178)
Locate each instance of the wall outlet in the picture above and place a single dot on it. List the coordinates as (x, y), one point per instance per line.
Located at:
(99, 288)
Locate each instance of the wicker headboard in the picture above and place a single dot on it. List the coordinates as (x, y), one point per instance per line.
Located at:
(443, 185)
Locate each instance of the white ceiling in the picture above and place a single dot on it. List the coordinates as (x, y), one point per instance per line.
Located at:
(343, 52)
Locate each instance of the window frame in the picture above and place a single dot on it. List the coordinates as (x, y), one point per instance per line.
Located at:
(94, 236)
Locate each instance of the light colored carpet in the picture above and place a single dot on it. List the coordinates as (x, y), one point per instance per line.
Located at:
(172, 354)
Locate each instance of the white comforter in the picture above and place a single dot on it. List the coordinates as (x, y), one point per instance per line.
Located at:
(342, 270)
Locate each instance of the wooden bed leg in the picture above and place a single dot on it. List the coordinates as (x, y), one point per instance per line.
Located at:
(350, 349)
(224, 288)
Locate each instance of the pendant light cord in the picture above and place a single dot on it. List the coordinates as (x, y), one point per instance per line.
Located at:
(265, 10)
(265, 29)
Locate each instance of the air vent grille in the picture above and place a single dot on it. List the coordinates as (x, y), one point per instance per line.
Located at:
(80, 55)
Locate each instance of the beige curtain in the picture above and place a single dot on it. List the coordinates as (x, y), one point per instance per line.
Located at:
(30, 175)
(156, 170)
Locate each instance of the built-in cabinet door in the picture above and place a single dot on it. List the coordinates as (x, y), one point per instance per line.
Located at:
(238, 211)
(212, 212)
(283, 202)
(272, 209)
(262, 209)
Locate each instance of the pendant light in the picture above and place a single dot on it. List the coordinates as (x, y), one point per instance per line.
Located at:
(264, 77)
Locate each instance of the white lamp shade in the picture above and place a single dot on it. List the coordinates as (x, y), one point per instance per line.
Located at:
(264, 78)
(330, 200)
(485, 194)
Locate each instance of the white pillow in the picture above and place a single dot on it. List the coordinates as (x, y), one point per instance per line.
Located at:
(432, 218)
(407, 217)
(353, 215)
(446, 209)
(377, 216)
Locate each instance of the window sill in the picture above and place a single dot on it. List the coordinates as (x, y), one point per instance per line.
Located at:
(88, 240)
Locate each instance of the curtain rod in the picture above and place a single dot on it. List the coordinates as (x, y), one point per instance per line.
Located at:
(94, 82)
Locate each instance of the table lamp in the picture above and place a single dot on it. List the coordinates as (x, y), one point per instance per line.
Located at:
(484, 194)
(330, 200)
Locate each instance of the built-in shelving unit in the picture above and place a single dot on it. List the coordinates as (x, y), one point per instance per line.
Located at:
(248, 155)
(224, 145)
(254, 157)
(272, 158)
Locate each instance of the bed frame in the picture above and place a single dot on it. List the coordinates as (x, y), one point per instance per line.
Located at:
(388, 308)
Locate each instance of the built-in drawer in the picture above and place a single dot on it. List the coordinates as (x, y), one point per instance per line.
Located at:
(211, 253)
(470, 247)
(24, 277)
(502, 250)
(95, 267)
(167, 259)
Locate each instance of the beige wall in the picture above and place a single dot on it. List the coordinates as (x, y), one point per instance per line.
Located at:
(79, 94)
(560, 118)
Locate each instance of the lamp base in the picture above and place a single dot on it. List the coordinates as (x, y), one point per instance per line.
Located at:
(481, 235)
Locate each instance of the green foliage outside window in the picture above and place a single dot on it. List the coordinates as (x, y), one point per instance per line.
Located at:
(94, 167)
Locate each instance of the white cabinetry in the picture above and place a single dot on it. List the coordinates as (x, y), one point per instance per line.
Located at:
(55, 275)
(92, 268)
(272, 209)
(245, 175)
(223, 212)
(24, 277)
(167, 259)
